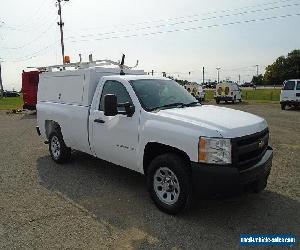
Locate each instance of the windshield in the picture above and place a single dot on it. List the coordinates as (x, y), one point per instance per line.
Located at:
(157, 94)
(289, 85)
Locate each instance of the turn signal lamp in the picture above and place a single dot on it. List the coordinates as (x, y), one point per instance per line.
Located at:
(67, 59)
(202, 151)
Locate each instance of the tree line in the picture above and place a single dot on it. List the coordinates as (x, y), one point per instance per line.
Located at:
(284, 68)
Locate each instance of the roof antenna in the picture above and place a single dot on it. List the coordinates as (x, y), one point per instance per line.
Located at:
(122, 65)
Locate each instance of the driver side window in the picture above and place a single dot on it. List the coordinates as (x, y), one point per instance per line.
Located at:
(116, 88)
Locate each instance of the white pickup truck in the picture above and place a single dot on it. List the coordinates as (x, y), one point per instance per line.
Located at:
(153, 126)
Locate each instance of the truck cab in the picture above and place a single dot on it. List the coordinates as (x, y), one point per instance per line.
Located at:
(290, 93)
(154, 126)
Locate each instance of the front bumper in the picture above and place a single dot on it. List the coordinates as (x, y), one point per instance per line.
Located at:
(224, 98)
(290, 102)
(223, 180)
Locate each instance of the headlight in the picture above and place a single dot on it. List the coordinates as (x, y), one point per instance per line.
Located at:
(214, 150)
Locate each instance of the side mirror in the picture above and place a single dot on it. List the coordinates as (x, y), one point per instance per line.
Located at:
(129, 109)
(110, 105)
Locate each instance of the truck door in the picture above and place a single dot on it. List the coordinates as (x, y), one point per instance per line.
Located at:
(115, 139)
(298, 91)
(288, 92)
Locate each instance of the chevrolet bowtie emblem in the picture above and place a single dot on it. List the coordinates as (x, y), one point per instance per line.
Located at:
(261, 144)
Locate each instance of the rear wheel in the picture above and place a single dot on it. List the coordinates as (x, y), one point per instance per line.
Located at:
(283, 106)
(168, 181)
(59, 152)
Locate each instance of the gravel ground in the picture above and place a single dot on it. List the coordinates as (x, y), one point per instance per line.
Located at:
(91, 204)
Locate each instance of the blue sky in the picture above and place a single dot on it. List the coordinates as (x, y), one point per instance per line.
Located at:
(99, 27)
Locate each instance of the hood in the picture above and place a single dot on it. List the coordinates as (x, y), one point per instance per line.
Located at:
(228, 122)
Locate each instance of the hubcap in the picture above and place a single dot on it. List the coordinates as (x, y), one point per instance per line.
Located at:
(166, 185)
(55, 147)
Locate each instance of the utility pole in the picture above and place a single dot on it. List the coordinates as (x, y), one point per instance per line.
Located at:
(61, 24)
(203, 75)
(1, 85)
(218, 69)
(256, 69)
(239, 79)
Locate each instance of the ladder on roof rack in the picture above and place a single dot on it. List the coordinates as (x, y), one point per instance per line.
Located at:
(83, 65)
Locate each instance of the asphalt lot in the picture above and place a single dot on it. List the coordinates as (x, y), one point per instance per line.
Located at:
(91, 204)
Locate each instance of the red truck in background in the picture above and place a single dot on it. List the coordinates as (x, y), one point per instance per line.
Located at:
(30, 81)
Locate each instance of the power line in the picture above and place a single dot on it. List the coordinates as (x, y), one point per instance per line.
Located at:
(195, 15)
(32, 18)
(189, 21)
(190, 28)
(33, 40)
(33, 54)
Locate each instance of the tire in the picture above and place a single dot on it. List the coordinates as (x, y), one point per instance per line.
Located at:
(261, 185)
(169, 183)
(240, 100)
(217, 101)
(59, 152)
(283, 106)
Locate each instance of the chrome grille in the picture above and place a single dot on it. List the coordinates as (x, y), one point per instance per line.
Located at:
(248, 150)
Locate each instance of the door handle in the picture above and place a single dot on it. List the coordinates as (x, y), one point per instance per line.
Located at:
(99, 121)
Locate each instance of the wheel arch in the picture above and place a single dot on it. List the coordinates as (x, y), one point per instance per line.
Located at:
(154, 149)
(51, 126)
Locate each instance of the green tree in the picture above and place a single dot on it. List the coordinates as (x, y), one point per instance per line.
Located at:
(257, 80)
(283, 68)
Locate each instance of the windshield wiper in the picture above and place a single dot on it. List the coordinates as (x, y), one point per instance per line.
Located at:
(174, 105)
(191, 104)
(171, 105)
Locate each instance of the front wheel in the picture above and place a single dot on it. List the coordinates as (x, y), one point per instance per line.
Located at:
(168, 181)
(59, 152)
(283, 105)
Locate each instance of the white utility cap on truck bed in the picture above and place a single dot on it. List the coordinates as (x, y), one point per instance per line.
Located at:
(75, 86)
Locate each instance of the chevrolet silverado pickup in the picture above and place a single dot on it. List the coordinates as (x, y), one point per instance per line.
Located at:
(154, 126)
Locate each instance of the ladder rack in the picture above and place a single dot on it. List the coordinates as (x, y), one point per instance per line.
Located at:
(83, 65)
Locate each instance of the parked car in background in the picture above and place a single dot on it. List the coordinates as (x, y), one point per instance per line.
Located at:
(247, 84)
(290, 93)
(11, 93)
(196, 90)
(228, 91)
